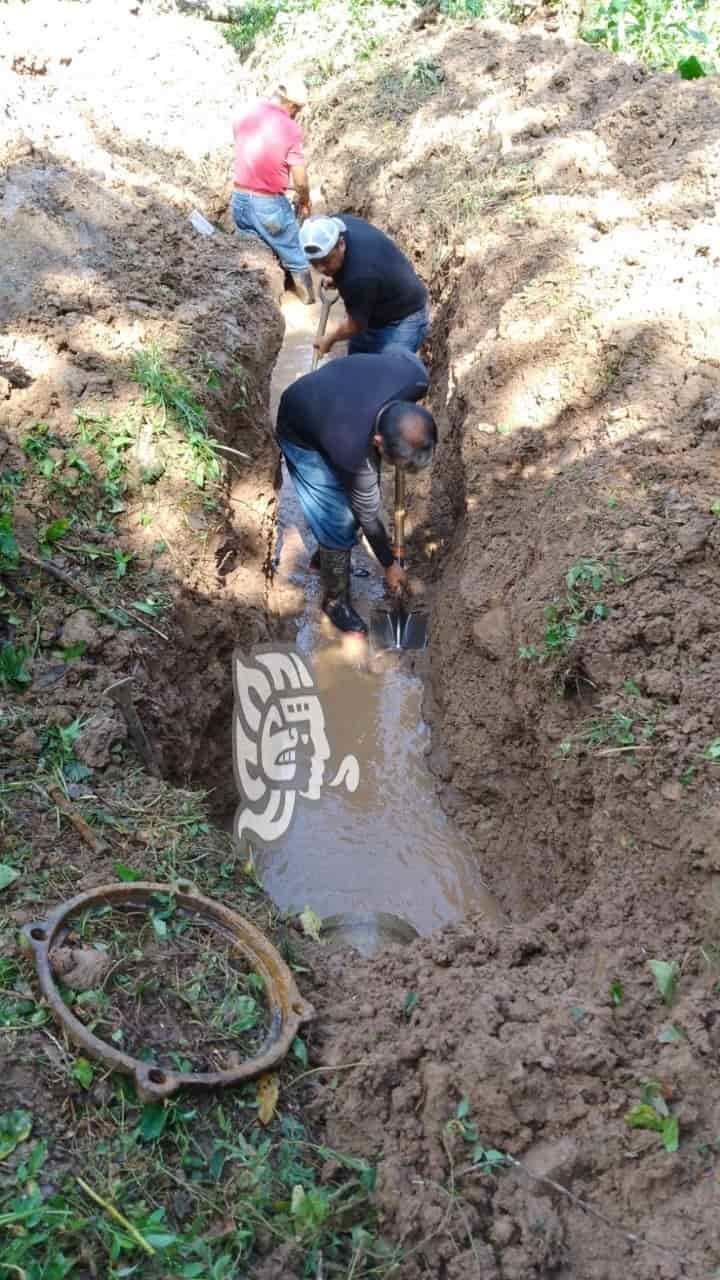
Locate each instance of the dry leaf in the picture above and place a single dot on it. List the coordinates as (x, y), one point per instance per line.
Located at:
(268, 1092)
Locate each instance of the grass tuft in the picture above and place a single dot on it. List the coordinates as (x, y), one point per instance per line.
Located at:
(168, 389)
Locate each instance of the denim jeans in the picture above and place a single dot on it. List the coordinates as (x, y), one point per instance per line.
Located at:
(323, 500)
(408, 333)
(272, 219)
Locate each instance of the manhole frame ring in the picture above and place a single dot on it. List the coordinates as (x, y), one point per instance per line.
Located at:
(287, 1007)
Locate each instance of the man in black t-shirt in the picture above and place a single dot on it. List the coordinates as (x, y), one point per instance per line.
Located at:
(333, 426)
(385, 301)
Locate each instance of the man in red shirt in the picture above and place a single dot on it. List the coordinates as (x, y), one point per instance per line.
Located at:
(268, 156)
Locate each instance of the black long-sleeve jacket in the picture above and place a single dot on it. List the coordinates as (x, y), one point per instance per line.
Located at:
(334, 411)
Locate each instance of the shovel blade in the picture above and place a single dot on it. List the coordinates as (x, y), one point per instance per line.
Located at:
(385, 629)
(396, 629)
(415, 630)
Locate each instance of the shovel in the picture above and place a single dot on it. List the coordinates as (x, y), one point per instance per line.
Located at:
(327, 298)
(398, 627)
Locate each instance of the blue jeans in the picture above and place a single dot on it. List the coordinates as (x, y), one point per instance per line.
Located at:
(272, 219)
(323, 500)
(408, 333)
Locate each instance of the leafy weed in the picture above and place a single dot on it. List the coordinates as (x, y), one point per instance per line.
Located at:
(653, 1113)
(563, 618)
(13, 672)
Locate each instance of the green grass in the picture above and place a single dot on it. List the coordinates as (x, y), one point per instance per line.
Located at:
(13, 672)
(112, 439)
(203, 1189)
(426, 74)
(19, 1009)
(503, 10)
(189, 984)
(618, 729)
(255, 20)
(236, 1185)
(667, 35)
(671, 35)
(170, 390)
(273, 23)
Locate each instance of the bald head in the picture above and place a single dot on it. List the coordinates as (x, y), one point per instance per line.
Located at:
(406, 434)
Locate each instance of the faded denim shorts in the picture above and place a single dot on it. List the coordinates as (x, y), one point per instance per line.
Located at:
(272, 219)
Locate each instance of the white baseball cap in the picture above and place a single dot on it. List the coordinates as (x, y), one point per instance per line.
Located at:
(293, 88)
(318, 236)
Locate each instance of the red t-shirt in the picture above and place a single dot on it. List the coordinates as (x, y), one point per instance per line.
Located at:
(267, 143)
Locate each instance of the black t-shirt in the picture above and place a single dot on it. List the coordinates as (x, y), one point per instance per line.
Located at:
(334, 410)
(376, 282)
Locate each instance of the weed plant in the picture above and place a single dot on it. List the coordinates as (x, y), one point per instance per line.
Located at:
(671, 35)
(682, 35)
(579, 607)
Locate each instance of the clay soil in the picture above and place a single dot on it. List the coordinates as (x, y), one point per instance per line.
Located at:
(562, 206)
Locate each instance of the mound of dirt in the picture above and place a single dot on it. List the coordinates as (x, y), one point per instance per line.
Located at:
(561, 203)
(102, 268)
(534, 1045)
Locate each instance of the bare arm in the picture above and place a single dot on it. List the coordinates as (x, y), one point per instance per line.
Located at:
(342, 331)
(301, 184)
(359, 302)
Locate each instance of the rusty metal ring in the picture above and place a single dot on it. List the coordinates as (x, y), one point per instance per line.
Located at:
(287, 1008)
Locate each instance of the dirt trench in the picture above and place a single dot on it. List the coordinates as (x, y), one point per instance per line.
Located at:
(519, 188)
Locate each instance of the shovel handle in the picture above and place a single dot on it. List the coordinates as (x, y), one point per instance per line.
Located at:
(399, 516)
(328, 294)
(327, 299)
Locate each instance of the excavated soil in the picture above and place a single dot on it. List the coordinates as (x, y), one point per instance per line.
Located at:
(100, 262)
(562, 206)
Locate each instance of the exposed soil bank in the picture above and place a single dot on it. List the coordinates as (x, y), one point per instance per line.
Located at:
(100, 263)
(562, 205)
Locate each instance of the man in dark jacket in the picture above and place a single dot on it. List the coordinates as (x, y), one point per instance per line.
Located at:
(385, 301)
(333, 427)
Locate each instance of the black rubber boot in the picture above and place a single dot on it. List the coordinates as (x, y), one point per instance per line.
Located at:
(356, 571)
(303, 285)
(335, 579)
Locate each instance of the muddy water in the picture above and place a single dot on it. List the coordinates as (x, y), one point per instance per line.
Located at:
(386, 847)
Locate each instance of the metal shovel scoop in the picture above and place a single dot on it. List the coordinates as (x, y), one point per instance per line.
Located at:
(399, 627)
